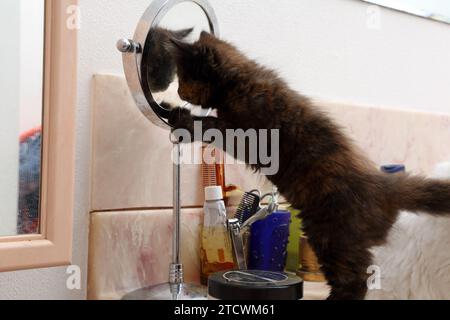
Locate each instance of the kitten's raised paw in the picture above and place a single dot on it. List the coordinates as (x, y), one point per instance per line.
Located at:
(181, 118)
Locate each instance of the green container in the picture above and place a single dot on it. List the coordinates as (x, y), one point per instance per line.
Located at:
(293, 259)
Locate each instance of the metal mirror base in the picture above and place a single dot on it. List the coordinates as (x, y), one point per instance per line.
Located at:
(164, 292)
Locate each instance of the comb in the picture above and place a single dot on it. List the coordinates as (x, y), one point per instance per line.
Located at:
(213, 170)
(248, 206)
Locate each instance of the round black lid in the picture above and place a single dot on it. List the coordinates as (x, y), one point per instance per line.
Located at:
(255, 285)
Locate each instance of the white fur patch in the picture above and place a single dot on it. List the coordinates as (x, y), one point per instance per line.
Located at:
(415, 262)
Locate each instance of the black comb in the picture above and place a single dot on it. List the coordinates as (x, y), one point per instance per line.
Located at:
(248, 206)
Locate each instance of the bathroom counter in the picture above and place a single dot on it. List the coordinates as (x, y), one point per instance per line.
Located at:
(316, 291)
(312, 291)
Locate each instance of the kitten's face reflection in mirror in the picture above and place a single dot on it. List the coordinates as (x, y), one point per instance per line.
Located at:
(161, 72)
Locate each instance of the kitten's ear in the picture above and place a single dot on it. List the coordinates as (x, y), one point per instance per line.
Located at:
(206, 36)
(181, 34)
(208, 48)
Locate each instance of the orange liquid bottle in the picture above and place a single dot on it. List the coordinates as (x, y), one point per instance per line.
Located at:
(216, 249)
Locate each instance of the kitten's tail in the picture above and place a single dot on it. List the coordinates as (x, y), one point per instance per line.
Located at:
(416, 194)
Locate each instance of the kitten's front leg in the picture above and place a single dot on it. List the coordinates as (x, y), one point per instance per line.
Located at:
(181, 118)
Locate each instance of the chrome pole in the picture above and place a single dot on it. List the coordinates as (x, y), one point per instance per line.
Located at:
(176, 288)
(176, 277)
(176, 203)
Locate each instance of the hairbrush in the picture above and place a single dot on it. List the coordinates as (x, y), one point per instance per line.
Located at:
(248, 206)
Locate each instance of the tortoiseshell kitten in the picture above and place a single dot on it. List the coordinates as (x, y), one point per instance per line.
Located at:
(348, 205)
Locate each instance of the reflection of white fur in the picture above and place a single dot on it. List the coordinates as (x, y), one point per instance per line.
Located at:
(170, 96)
(415, 262)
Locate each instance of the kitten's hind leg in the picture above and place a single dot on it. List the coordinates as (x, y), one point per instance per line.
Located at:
(345, 268)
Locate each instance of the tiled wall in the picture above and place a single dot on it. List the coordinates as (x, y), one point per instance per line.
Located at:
(131, 197)
(131, 158)
(130, 237)
(130, 250)
(386, 135)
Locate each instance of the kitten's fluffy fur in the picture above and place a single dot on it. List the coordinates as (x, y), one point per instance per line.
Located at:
(348, 206)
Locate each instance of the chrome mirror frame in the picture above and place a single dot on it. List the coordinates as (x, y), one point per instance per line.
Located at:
(132, 51)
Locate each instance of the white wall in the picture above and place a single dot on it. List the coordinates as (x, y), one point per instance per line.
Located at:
(322, 47)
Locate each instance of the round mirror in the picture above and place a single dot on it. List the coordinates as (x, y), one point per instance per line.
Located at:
(149, 66)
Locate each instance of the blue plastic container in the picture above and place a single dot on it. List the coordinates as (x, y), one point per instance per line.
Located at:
(393, 168)
(268, 242)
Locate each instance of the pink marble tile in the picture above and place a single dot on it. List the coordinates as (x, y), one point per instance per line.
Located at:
(131, 166)
(418, 140)
(131, 250)
(131, 158)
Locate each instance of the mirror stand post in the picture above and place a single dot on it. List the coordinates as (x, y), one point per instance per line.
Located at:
(176, 288)
(176, 277)
(179, 289)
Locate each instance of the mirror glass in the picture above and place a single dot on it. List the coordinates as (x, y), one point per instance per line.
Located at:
(21, 88)
(184, 21)
(433, 9)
